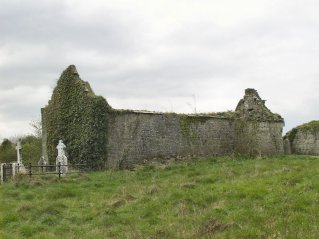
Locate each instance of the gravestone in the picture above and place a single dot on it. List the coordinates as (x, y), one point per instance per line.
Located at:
(61, 158)
(42, 163)
(19, 154)
(18, 166)
(14, 169)
(2, 172)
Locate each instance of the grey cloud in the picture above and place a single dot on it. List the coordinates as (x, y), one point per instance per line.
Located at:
(39, 39)
(53, 24)
(23, 113)
(22, 103)
(127, 60)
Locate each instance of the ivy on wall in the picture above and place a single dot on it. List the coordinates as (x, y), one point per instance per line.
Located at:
(79, 118)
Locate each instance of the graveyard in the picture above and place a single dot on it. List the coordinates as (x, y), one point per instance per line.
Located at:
(109, 173)
(159, 119)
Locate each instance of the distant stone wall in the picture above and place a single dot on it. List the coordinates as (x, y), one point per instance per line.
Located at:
(303, 139)
(136, 137)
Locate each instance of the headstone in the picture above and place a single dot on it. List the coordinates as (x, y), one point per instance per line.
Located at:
(287, 146)
(61, 158)
(19, 165)
(14, 167)
(19, 154)
(42, 163)
(1, 172)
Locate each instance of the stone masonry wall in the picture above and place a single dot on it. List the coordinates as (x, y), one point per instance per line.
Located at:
(303, 139)
(135, 137)
(270, 138)
(258, 138)
(258, 130)
(305, 142)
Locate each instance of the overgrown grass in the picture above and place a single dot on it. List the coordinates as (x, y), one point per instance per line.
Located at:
(204, 198)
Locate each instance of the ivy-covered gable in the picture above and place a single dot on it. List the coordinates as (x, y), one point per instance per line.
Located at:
(78, 117)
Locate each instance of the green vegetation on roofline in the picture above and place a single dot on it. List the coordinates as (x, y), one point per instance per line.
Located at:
(265, 116)
(312, 126)
(220, 197)
(226, 114)
(269, 116)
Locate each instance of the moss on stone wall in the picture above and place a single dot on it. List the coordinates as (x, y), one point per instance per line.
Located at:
(186, 123)
(78, 117)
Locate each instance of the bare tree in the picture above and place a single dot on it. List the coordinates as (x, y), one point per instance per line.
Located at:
(36, 126)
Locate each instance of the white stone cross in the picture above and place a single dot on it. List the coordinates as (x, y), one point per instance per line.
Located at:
(19, 154)
(61, 159)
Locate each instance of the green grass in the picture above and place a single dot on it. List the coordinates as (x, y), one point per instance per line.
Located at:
(204, 198)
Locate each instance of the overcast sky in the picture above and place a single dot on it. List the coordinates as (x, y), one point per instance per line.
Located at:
(163, 55)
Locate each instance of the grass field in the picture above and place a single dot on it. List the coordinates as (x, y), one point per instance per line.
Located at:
(204, 198)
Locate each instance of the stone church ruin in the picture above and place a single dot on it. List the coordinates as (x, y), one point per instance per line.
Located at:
(104, 137)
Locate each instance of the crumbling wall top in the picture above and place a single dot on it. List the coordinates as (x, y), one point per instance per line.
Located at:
(253, 107)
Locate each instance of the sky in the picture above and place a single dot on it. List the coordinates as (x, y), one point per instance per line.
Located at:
(160, 55)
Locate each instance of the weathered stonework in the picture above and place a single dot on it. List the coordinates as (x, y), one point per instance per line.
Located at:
(137, 137)
(133, 137)
(44, 137)
(303, 139)
(257, 130)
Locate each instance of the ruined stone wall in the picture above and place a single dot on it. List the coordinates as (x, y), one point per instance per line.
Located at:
(256, 138)
(258, 130)
(135, 137)
(270, 138)
(303, 139)
(306, 143)
(102, 137)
